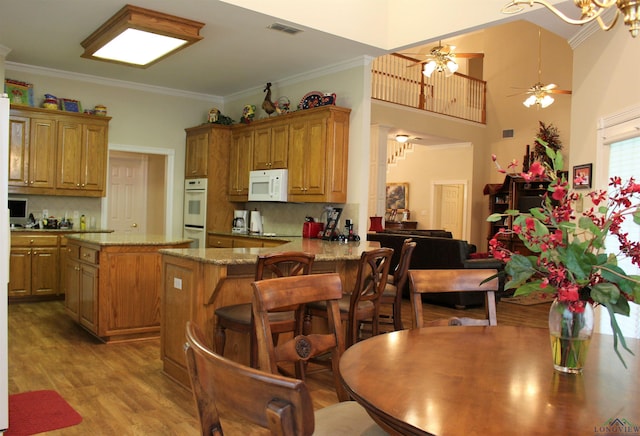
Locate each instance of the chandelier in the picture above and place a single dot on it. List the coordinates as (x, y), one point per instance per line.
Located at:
(591, 10)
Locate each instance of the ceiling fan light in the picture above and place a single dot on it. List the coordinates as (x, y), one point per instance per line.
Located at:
(531, 100)
(452, 66)
(429, 68)
(546, 101)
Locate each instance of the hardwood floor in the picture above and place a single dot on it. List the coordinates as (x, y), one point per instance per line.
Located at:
(120, 388)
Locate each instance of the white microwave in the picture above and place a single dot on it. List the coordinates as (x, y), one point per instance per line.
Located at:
(268, 185)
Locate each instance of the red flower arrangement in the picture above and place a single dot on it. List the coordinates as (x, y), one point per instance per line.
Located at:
(569, 260)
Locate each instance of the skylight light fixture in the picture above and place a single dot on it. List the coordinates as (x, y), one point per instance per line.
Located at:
(140, 37)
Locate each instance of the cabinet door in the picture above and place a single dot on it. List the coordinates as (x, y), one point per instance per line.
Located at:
(297, 150)
(196, 155)
(94, 157)
(307, 162)
(18, 151)
(240, 159)
(70, 146)
(19, 272)
(279, 146)
(44, 270)
(262, 149)
(42, 153)
(72, 288)
(88, 311)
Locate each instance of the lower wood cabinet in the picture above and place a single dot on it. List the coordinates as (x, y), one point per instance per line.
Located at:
(33, 266)
(239, 241)
(113, 289)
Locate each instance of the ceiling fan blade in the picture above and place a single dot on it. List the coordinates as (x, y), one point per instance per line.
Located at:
(549, 87)
(469, 55)
(559, 91)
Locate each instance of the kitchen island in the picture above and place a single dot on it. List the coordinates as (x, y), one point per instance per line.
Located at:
(112, 283)
(197, 281)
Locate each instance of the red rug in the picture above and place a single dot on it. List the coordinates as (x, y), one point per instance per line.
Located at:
(39, 411)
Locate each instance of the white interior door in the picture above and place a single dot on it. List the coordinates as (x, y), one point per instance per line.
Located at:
(127, 192)
(449, 208)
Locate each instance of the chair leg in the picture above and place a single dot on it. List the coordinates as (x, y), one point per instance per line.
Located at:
(397, 316)
(219, 339)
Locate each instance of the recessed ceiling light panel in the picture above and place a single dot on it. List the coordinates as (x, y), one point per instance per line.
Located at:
(140, 37)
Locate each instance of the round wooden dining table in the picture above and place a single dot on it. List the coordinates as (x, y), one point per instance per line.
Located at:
(491, 381)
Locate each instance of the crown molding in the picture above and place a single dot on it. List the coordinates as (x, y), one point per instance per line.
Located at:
(51, 72)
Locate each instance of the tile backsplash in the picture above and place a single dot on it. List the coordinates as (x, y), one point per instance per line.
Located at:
(57, 206)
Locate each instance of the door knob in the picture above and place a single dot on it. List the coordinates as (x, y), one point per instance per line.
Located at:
(134, 225)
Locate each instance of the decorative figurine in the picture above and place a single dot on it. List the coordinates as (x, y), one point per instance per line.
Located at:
(267, 104)
(282, 105)
(248, 114)
(214, 114)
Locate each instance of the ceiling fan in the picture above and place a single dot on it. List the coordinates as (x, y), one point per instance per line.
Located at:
(540, 94)
(441, 58)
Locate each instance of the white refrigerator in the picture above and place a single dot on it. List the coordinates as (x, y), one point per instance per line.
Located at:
(4, 261)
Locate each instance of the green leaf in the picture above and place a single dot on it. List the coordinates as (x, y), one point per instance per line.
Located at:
(605, 293)
(531, 287)
(617, 335)
(537, 213)
(520, 268)
(636, 215)
(495, 217)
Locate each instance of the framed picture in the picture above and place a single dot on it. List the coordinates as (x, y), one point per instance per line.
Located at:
(583, 173)
(69, 105)
(332, 222)
(19, 92)
(397, 196)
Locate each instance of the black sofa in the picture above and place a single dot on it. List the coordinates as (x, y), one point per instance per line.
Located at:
(436, 252)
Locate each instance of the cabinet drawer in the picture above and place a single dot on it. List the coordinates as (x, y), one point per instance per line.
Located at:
(89, 255)
(34, 240)
(73, 251)
(219, 242)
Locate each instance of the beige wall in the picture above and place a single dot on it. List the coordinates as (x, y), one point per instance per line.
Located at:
(511, 61)
(140, 118)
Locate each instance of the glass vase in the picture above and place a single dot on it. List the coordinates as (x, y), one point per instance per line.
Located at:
(570, 336)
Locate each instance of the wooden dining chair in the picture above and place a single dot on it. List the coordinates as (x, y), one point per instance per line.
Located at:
(363, 303)
(239, 317)
(300, 291)
(422, 281)
(392, 294)
(280, 404)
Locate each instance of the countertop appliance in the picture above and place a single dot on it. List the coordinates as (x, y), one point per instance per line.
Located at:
(240, 223)
(255, 224)
(268, 185)
(195, 211)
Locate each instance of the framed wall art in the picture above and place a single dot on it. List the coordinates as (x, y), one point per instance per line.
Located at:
(397, 196)
(583, 173)
(20, 93)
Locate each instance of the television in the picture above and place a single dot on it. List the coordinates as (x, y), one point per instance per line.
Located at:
(18, 211)
(526, 202)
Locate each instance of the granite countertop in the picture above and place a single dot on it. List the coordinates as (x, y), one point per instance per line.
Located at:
(105, 239)
(324, 251)
(269, 236)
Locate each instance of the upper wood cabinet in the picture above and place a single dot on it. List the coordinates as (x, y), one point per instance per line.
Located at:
(57, 153)
(316, 153)
(207, 156)
(196, 155)
(270, 148)
(240, 163)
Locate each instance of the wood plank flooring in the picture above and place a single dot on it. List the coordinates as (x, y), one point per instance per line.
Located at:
(120, 388)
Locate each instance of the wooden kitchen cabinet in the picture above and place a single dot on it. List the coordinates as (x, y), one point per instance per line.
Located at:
(270, 148)
(82, 157)
(57, 153)
(240, 163)
(196, 155)
(32, 151)
(81, 287)
(318, 155)
(215, 240)
(33, 267)
(207, 156)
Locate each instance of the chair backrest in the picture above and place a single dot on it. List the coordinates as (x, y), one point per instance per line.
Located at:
(219, 385)
(295, 292)
(402, 269)
(423, 281)
(371, 278)
(283, 264)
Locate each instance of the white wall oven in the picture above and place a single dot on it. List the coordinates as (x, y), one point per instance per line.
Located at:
(195, 211)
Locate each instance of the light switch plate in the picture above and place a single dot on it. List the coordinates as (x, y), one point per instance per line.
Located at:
(177, 283)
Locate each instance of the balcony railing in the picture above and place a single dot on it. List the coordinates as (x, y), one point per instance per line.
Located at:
(399, 79)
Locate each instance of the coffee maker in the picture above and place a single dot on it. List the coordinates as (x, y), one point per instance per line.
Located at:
(240, 222)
